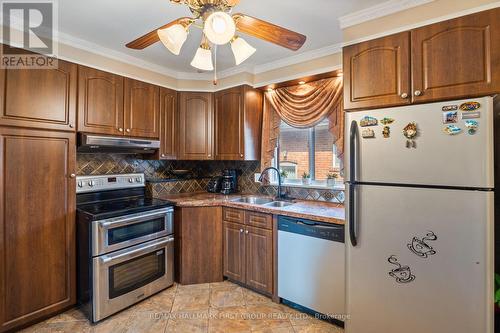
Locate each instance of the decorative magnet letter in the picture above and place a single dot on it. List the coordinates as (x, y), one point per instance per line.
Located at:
(368, 121)
(449, 108)
(450, 117)
(470, 106)
(368, 133)
(386, 121)
(386, 132)
(452, 129)
(471, 126)
(410, 132)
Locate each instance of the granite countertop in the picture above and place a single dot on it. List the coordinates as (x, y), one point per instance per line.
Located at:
(313, 210)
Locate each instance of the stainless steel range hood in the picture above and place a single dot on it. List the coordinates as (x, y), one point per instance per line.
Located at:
(88, 143)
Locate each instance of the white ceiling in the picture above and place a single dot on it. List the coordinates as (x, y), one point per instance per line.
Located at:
(112, 24)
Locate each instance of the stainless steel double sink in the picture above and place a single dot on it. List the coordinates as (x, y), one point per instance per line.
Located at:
(263, 202)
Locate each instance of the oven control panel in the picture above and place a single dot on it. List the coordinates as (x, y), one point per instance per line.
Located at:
(109, 182)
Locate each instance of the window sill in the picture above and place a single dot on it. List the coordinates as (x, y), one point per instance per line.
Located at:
(337, 187)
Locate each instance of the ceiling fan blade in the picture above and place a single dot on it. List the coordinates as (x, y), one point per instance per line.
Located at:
(269, 32)
(152, 37)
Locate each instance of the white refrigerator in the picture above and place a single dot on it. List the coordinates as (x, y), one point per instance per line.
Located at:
(420, 216)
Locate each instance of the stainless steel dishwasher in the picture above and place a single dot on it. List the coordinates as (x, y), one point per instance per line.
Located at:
(311, 265)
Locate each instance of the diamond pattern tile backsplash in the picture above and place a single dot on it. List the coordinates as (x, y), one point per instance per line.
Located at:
(163, 181)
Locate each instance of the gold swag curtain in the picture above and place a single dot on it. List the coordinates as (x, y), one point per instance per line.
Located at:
(303, 106)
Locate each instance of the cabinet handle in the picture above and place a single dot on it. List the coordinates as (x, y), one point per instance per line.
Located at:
(120, 129)
(128, 130)
(417, 93)
(246, 231)
(241, 230)
(72, 175)
(404, 95)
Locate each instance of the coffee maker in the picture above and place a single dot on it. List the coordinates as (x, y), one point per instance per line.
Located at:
(229, 181)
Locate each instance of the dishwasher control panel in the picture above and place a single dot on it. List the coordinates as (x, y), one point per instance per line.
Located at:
(328, 231)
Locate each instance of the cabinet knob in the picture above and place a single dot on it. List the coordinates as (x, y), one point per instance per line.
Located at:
(246, 231)
(209, 155)
(72, 175)
(241, 230)
(241, 155)
(404, 95)
(71, 126)
(417, 93)
(162, 155)
(128, 130)
(120, 129)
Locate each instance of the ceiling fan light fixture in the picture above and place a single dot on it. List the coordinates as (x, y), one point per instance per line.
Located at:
(203, 58)
(241, 49)
(173, 37)
(219, 28)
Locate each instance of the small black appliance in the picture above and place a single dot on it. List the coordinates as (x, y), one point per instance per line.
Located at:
(215, 184)
(229, 181)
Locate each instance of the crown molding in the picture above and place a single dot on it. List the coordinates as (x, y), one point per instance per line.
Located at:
(297, 75)
(377, 11)
(424, 23)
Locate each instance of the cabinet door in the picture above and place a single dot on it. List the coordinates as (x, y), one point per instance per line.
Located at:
(142, 114)
(37, 231)
(100, 102)
(457, 58)
(168, 124)
(234, 251)
(377, 72)
(196, 126)
(259, 258)
(229, 136)
(41, 98)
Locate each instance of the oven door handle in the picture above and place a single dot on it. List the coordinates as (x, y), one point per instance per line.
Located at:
(119, 221)
(136, 252)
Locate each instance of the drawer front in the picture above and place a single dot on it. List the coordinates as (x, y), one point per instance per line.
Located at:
(259, 220)
(233, 215)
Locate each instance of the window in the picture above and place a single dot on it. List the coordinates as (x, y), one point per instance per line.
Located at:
(307, 151)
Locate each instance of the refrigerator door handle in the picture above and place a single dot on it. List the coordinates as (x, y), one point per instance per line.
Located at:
(352, 219)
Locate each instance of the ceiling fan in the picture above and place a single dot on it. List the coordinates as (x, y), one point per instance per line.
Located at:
(219, 28)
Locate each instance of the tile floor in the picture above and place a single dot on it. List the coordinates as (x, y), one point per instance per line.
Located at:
(215, 307)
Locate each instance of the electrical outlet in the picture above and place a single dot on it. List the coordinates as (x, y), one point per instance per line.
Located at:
(257, 176)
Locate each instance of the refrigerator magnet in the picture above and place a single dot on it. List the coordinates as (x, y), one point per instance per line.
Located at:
(402, 274)
(470, 106)
(420, 246)
(410, 132)
(452, 129)
(450, 117)
(449, 108)
(471, 115)
(472, 126)
(386, 121)
(368, 133)
(368, 121)
(386, 132)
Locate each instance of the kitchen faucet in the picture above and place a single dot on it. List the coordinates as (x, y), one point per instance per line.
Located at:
(279, 196)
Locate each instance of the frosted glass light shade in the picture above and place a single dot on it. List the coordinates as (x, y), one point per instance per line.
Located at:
(173, 37)
(241, 50)
(203, 59)
(219, 28)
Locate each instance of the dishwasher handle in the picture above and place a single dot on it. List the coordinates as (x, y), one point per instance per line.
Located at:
(327, 231)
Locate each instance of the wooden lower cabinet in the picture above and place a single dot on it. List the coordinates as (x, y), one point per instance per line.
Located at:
(198, 245)
(248, 250)
(37, 225)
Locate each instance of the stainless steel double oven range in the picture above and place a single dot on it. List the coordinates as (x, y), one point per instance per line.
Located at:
(125, 243)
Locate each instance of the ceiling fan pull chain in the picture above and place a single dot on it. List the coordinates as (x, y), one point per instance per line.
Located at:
(215, 65)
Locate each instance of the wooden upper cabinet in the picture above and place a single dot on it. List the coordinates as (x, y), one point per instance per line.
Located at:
(238, 123)
(100, 102)
(377, 72)
(169, 119)
(195, 126)
(41, 98)
(37, 238)
(142, 112)
(457, 58)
